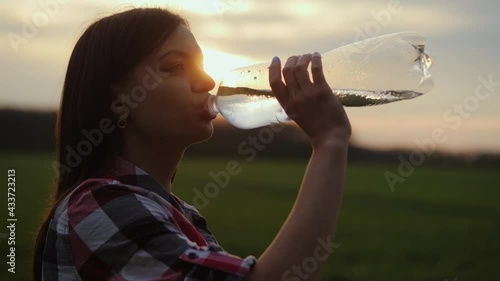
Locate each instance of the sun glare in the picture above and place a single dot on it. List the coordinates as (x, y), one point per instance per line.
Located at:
(218, 63)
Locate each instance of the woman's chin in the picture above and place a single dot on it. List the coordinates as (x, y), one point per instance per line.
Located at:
(204, 133)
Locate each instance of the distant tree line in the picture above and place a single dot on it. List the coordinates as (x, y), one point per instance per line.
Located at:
(34, 131)
(27, 130)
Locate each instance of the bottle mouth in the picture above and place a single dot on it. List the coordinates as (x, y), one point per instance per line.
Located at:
(212, 105)
(424, 62)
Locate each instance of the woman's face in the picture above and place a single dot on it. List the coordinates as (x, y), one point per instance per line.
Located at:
(168, 91)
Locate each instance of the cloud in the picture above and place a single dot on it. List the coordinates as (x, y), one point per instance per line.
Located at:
(268, 27)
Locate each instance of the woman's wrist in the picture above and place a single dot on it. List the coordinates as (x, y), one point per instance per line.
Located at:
(330, 143)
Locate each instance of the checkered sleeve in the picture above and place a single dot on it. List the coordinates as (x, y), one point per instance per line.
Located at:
(116, 233)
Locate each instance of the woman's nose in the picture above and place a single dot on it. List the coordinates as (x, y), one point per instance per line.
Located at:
(203, 82)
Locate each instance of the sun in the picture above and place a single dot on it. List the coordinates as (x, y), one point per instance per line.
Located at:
(217, 63)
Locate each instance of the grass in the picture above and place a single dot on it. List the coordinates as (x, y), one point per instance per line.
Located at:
(442, 222)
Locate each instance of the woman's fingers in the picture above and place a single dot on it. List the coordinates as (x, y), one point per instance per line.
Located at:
(310, 103)
(297, 82)
(317, 69)
(301, 73)
(279, 89)
(289, 75)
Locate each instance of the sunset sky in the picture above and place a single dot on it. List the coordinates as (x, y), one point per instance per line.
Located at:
(462, 37)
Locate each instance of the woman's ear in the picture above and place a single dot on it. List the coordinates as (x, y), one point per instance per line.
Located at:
(119, 104)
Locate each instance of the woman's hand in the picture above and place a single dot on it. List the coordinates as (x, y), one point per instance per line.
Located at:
(311, 104)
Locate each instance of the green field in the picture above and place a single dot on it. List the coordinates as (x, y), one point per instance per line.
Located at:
(442, 223)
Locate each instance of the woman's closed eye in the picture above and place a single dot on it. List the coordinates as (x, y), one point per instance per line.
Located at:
(175, 68)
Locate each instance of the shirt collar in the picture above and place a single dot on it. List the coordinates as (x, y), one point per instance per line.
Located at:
(128, 173)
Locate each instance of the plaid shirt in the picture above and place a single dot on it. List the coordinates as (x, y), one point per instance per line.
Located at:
(126, 226)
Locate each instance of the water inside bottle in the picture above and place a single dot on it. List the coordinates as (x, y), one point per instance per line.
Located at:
(248, 108)
(247, 112)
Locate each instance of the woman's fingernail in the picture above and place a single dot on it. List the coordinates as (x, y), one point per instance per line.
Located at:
(275, 59)
(317, 54)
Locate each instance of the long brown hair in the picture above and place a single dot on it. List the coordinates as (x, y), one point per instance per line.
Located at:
(105, 54)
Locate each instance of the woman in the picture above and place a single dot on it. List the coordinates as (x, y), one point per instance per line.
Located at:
(134, 99)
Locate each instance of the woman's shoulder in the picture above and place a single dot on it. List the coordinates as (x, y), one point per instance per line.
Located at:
(100, 196)
(102, 190)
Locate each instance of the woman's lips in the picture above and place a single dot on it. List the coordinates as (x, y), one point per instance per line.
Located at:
(207, 113)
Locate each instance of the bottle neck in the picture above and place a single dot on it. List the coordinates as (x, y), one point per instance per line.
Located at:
(212, 105)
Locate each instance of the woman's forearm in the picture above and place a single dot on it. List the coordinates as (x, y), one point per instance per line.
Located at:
(308, 231)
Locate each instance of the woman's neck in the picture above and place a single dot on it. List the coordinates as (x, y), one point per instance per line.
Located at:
(157, 157)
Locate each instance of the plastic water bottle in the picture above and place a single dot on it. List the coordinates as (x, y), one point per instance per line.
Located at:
(374, 71)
